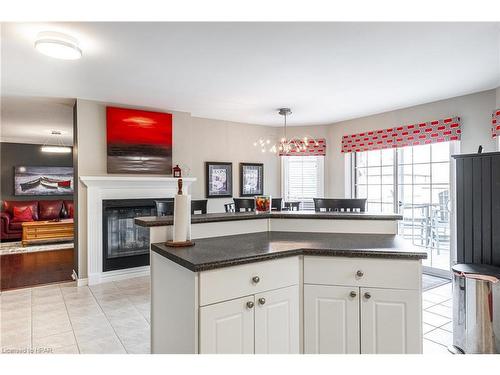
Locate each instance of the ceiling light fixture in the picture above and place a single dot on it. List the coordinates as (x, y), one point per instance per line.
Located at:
(60, 148)
(58, 45)
(285, 145)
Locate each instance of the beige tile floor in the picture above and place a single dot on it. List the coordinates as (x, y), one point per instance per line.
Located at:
(63, 318)
(437, 317)
(115, 318)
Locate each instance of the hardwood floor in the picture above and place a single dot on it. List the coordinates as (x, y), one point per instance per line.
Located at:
(29, 269)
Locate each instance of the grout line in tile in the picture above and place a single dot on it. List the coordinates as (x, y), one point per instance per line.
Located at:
(435, 342)
(70, 322)
(435, 313)
(112, 327)
(135, 307)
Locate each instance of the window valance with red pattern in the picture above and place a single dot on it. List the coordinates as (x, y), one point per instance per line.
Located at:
(408, 135)
(495, 123)
(314, 148)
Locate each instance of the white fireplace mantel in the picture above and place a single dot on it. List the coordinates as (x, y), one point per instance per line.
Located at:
(104, 187)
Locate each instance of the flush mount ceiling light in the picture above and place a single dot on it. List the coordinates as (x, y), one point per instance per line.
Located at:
(58, 45)
(60, 148)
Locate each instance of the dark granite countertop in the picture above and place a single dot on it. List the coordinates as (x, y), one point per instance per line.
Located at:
(158, 221)
(218, 252)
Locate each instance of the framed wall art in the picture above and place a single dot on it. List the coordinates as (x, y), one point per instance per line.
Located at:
(251, 179)
(43, 180)
(138, 141)
(218, 179)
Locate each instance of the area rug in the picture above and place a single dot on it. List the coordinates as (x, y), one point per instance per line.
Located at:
(431, 282)
(16, 247)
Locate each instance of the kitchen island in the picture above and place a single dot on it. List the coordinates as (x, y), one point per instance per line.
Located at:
(353, 287)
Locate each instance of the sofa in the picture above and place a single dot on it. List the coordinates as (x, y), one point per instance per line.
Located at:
(41, 210)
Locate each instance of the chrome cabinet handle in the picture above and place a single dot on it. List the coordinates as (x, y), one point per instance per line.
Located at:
(256, 279)
(359, 273)
(262, 301)
(368, 295)
(353, 294)
(250, 304)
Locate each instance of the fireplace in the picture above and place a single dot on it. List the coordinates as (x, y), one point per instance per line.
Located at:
(125, 245)
(118, 188)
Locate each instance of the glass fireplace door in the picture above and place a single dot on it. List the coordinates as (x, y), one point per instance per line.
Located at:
(125, 244)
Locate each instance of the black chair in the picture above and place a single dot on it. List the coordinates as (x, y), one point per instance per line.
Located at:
(229, 207)
(292, 206)
(347, 205)
(165, 207)
(247, 204)
(276, 204)
(199, 205)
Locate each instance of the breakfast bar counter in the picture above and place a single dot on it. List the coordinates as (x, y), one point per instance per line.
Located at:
(231, 223)
(154, 221)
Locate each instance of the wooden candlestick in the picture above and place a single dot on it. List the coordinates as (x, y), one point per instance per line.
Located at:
(179, 186)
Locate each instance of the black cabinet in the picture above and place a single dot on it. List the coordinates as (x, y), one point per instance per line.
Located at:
(478, 208)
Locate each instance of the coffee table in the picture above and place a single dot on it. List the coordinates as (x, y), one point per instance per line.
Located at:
(47, 231)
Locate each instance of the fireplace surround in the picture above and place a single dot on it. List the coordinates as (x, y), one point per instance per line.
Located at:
(90, 213)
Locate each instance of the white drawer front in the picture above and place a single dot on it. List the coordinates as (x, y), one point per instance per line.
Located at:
(376, 273)
(234, 282)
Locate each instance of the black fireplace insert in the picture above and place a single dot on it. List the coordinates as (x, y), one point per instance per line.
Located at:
(125, 245)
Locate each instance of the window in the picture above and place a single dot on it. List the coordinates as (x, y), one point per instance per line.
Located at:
(414, 181)
(302, 179)
(374, 179)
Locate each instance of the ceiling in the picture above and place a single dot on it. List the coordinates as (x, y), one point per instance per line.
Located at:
(31, 120)
(326, 72)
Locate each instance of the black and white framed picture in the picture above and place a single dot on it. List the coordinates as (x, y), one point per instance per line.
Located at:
(218, 179)
(251, 179)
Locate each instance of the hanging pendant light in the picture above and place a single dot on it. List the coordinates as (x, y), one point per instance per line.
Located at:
(59, 148)
(285, 145)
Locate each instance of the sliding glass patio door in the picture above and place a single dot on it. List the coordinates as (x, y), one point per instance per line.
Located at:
(414, 181)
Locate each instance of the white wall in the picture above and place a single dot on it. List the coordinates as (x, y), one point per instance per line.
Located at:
(195, 140)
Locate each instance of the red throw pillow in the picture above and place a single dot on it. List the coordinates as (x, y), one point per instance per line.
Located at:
(22, 214)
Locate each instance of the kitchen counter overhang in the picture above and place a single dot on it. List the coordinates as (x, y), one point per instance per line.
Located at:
(226, 251)
(155, 221)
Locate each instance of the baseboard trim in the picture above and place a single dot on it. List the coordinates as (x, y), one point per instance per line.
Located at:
(117, 275)
(82, 282)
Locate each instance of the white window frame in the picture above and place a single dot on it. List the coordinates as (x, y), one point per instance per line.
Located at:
(321, 177)
(454, 149)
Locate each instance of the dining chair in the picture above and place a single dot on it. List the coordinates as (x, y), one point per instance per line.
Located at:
(164, 207)
(347, 205)
(229, 207)
(276, 204)
(199, 206)
(292, 206)
(246, 204)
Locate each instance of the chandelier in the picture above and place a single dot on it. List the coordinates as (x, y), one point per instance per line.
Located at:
(286, 145)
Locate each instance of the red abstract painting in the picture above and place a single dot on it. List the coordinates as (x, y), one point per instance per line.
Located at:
(138, 141)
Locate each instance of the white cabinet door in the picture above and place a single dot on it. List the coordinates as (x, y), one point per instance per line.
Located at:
(277, 321)
(331, 319)
(228, 327)
(390, 321)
